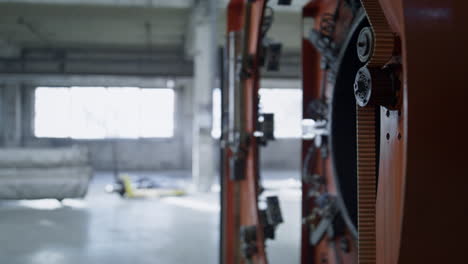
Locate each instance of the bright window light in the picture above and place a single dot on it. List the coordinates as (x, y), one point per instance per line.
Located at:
(53, 107)
(123, 112)
(87, 113)
(104, 112)
(216, 125)
(157, 113)
(285, 104)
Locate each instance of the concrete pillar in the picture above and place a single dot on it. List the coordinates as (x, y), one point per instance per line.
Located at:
(11, 115)
(204, 52)
(185, 123)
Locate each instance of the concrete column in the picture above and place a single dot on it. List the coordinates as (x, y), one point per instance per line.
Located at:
(204, 52)
(185, 123)
(11, 115)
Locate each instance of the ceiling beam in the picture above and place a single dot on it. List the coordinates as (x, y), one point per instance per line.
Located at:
(9, 50)
(113, 3)
(58, 80)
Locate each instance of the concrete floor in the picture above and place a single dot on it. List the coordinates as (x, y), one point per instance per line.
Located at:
(104, 228)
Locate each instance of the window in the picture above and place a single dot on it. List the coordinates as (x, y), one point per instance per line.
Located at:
(285, 104)
(216, 125)
(104, 112)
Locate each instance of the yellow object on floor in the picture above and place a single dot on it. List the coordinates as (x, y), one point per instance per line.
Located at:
(132, 192)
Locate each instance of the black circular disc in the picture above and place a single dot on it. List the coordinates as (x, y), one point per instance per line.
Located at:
(343, 125)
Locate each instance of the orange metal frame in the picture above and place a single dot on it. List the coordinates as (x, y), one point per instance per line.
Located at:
(421, 164)
(421, 161)
(240, 197)
(312, 78)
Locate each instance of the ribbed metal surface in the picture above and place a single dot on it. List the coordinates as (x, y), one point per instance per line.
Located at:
(366, 137)
(383, 36)
(366, 147)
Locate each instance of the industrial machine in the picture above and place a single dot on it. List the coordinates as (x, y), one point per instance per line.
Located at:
(369, 91)
(382, 154)
(244, 227)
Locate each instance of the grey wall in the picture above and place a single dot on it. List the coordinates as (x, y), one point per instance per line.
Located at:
(141, 154)
(123, 154)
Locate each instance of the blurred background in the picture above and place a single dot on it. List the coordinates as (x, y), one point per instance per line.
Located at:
(110, 118)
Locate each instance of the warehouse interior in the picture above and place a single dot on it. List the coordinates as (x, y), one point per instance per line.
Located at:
(96, 90)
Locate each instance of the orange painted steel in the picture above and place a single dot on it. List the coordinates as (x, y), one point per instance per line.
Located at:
(240, 196)
(421, 207)
(312, 78)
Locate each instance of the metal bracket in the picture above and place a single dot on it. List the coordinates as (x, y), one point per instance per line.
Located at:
(248, 236)
(284, 2)
(266, 128)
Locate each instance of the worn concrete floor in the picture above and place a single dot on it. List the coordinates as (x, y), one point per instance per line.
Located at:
(104, 228)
